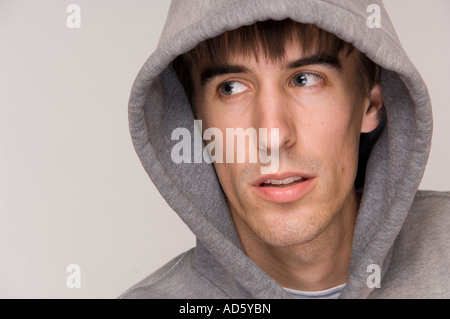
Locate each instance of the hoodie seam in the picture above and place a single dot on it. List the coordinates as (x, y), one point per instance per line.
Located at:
(212, 282)
(163, 276)
(437, 196)
(434, 195)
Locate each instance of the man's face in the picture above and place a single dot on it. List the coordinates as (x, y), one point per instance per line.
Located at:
(314, 102)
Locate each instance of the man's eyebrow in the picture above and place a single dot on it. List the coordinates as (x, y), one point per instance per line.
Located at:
(214, 71)
(211, 72)
(316, 59)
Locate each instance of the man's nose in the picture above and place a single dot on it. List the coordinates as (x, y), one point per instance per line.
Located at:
(273, 112)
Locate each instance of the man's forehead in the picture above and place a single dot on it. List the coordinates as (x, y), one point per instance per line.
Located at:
(254, 52)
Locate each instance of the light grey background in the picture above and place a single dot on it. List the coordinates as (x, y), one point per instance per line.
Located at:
(72, 190)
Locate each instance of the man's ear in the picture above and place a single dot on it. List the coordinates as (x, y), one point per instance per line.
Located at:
(373, 112)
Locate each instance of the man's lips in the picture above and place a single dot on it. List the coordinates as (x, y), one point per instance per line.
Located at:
(283, 188)
(281, 179)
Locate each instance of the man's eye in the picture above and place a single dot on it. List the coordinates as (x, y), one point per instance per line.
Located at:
(306, 79)
(232, 88)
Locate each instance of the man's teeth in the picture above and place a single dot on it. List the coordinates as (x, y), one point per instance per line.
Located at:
(286, 181)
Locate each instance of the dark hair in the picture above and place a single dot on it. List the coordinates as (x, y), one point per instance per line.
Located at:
(270, 38)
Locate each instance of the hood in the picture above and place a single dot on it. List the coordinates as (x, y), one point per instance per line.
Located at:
(394, 169)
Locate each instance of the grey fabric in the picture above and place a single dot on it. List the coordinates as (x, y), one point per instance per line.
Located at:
(218, 267)
(420, 259)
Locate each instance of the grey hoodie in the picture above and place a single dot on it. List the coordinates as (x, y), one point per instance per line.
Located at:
(402, 230)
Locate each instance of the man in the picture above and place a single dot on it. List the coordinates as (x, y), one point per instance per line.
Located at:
(345, 121)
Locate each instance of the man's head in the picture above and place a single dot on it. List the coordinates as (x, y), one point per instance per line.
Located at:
(320, 93)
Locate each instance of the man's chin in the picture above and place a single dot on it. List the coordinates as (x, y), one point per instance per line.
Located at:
(285, 229)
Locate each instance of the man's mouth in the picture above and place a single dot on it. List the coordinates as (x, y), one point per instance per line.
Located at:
(280, 183)
(284, 188)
